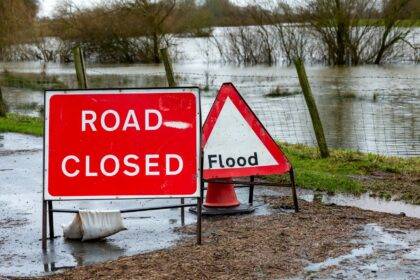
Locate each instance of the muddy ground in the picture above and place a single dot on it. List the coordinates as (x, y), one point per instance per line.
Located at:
(280, 245)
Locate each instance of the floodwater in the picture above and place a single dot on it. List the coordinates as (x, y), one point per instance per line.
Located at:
(368, 108)
(364, 201)
(382, 254)
(20, 216)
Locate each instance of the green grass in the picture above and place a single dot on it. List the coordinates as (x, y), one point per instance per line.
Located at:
(340, 171)
(22, 124)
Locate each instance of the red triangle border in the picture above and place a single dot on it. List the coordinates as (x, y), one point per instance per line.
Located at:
(229, 90)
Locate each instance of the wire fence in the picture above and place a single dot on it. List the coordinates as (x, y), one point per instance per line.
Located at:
(368, 113)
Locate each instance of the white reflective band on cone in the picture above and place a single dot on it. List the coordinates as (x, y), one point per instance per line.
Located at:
(94, 224)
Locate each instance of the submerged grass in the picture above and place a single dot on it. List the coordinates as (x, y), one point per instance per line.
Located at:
(30, 81)
(281, 92)
(22, 124)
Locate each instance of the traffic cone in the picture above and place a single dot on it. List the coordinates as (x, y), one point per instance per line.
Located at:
(221, 200)
(221, 195)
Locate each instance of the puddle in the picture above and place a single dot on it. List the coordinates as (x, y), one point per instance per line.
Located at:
(384, 254)
(367, 202)
(12, 142)
(20, 219)
(364, 201)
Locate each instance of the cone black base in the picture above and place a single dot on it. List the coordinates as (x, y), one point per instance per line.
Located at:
(215, 211)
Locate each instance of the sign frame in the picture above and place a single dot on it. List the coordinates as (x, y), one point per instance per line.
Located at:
(134, 90)
(47, 227)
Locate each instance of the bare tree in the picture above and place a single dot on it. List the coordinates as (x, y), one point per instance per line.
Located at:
(17, 18)
(391, 33)
(355, 31)
(154, 15)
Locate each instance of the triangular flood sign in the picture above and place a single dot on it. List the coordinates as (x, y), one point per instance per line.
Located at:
(235, 142)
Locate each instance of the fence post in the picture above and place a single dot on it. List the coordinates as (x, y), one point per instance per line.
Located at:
(3, 108)
(79, 64)
(168, 67)
(313, 111)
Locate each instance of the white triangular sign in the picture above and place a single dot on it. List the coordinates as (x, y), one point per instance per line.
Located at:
(232, 137)
(235, 142)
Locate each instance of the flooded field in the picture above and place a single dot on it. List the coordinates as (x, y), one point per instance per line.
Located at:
(367, 108)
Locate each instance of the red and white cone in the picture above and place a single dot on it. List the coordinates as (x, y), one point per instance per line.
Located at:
(221, 199)
(221, 195)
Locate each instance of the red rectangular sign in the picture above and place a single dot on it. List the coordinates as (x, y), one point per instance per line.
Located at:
(108, 144)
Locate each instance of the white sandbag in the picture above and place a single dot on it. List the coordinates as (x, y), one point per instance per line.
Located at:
(94, 224)
(74, 229)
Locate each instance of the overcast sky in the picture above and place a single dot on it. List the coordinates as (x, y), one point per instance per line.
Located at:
(47, 6)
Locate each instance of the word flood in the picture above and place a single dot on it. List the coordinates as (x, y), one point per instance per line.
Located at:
(217, 161)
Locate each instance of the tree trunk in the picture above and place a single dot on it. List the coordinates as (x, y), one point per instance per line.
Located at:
(156, 58)
(3, 108)
(341, 35)
(383, 47)
(379, 56)
(341, 45)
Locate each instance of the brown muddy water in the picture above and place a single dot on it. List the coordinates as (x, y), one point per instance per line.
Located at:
(20, 216)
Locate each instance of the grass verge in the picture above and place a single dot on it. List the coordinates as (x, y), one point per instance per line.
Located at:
(22, 124)
(355, 173)
(343, 172)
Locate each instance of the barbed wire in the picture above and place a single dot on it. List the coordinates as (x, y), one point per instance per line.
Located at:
(253, 76)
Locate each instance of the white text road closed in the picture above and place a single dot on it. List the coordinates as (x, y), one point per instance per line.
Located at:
(236, 143)
(128, 143)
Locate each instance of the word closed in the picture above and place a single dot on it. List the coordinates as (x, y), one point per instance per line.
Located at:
(130, 144)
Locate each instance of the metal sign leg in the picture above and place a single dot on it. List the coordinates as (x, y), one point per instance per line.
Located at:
(44, 225)
(292, 180)
(251, 191)
(182, 212)
(51, 219)
(199, 210)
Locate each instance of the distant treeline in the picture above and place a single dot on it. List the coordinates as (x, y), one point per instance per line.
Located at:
(129, 31)
(133, 31)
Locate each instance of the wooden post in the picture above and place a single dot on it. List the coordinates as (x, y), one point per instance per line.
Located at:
(313, 111)
(3, 108)
(168, 67)
(79, 64)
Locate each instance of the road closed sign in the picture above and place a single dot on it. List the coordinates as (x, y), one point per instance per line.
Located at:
(235, 142)
(108, 144)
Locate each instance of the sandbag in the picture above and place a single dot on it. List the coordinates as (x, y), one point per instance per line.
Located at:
(94, 224)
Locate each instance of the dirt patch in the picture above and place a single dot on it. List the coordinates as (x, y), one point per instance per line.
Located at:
(390, 185)
(267, 247)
